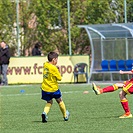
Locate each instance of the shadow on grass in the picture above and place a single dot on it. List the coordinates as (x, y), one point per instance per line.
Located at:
(54, 121)
(109, 117)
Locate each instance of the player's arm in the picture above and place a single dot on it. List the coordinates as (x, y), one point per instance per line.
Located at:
(57, 74)
(125, 72)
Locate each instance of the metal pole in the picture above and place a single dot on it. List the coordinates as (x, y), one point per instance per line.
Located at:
(17, 21)
(125, 14)
(69, 31)
(125, 10)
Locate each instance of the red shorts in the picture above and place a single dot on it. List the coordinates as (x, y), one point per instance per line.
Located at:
(128, 86)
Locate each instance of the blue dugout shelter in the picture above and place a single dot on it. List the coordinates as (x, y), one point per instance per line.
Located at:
(109, 42)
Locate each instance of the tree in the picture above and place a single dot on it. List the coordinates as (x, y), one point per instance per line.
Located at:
(47, 22)
(53, 13)
(28, 32)
(8, 24)
(7, 13)
(130, 11)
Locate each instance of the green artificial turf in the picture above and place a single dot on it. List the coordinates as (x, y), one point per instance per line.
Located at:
(21, 107)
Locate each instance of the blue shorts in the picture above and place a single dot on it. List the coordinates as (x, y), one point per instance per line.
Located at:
(47, 96)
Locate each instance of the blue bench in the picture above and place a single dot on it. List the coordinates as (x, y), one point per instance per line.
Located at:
(114, 66)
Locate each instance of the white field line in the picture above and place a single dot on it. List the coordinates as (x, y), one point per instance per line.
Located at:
(17, 86)
(21, 86)
(34, 94)
(24, 85)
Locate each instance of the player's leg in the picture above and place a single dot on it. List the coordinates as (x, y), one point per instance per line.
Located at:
(48, 106)
(47, 97)
(112, 88)
(57, 96)
(127, 89)
(63, 109)
(46, 111)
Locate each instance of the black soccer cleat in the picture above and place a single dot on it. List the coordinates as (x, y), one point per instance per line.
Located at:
(44, 118)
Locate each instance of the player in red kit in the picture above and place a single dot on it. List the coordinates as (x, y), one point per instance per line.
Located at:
(127, 88)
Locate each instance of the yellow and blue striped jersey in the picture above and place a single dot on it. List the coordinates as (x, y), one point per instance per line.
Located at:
(51, 75)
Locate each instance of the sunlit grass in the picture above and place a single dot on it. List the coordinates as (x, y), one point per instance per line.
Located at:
(21, 108)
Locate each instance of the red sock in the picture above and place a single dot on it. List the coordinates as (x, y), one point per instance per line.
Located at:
(125, 106)
(108, 89)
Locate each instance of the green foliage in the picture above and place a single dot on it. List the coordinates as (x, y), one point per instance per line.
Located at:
(49, 20)
(54, 14)
(7, 17)
(130, 11)
(28, 30)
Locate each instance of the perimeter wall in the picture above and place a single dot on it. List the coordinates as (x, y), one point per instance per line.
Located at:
(30, 69)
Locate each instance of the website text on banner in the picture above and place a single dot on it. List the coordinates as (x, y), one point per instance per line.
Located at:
(30, 69)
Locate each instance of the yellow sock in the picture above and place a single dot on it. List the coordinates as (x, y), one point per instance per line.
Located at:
(47, 108)
(62, 108)
(115, 87)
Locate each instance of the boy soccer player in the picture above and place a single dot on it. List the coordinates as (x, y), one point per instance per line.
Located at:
(127, 88)
(50, 87)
